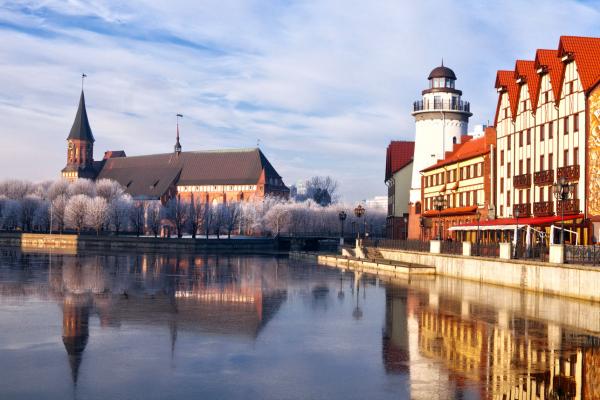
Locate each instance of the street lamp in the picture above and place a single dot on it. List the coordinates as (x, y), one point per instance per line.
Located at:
(359, 211)
(478, 215)
(562, 191)
(405, 227)
(438, 203)
(342, 216)
(517, 213)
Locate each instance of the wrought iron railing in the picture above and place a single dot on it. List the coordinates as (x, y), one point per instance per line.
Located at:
(543, 208)
(582, 254)
(524, 209)
(544, 177)
(457, 105)
(571, 206)
(570, 172)
(451, 247)
(522, 181)
(490, 250)
(411, 245)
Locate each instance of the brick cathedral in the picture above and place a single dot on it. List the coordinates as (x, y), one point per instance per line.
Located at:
(214, 176)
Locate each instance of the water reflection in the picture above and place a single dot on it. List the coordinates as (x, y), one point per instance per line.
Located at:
(484, 352)
(265, 327)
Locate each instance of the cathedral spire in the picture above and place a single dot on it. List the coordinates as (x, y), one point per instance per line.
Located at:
(177, 144)
(81, 125)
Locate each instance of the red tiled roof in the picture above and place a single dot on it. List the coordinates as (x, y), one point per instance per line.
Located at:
(399, 154)
(467, 149)
(506, 80)
(550, 60)
(526, 70)
(586, 52)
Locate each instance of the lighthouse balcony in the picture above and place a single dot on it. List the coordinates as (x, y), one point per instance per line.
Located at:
(448, 105)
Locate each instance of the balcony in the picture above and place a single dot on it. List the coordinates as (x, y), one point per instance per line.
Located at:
(421, 105)
(524, 209)
(544, 177)
(571, 207)
(522, 181)
(570, 172)
(543, 208)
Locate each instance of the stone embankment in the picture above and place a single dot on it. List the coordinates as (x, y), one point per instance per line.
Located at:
(74, 243)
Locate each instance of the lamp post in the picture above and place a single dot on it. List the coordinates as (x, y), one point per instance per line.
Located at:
(342, 216)
(562, 191)
(517, 213)
(405, 227)
(359, 211)
(478, 214)
(438, 203)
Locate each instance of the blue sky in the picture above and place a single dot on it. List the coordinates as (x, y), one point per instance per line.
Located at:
(325, 85)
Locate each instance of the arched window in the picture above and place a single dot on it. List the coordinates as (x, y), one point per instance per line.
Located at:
(454, 140)
(418, 207)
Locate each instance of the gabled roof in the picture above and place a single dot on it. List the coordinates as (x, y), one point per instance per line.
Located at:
(550, 62)
(525, 70)
(151, 176)
(399, 154)
(468, 149)
(586, 53)
(505, 80)
(81, 126)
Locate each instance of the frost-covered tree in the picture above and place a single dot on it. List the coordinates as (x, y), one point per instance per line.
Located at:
(41, 218)
(97, 213)
(82, 186)
(11, 214)
(15, 189)
(118, 212)
(57, 211)
(231, 213)
(58, 188)
(109, 190)
(29, 205)
(76, 211)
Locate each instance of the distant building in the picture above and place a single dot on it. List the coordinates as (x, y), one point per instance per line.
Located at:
(377, 203)
(210, 176)
(398, 173)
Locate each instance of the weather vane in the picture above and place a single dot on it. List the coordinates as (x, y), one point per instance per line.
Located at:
(83, 76)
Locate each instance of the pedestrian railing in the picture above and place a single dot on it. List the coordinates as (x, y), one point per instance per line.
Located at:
(412, 245)
(582, 254)
(489, 250)
(451, 247)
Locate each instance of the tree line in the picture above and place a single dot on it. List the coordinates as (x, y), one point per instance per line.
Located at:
(103, 207)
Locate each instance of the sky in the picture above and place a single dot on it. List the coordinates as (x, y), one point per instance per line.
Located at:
(321, 86)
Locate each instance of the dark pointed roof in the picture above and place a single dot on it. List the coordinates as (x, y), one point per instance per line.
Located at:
(81, 126)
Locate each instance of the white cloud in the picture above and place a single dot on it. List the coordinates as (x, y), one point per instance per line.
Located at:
(324, 85)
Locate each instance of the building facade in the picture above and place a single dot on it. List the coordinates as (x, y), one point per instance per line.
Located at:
(463, 179)
(398, 174)
(208, 176)
(547, 123)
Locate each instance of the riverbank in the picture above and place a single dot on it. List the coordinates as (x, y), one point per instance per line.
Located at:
(74, 243)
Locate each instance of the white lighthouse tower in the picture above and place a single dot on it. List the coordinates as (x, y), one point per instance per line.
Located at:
(441, 118)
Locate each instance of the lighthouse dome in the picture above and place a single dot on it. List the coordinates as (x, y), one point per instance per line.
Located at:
(442, 72)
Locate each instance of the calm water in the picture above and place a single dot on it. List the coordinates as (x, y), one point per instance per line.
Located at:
(135, 326)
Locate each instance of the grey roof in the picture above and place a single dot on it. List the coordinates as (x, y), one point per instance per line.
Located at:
(150, 176)
(81, 126)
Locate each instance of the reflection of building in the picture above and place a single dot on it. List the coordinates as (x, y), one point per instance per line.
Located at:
(476, 351)
(211, 176)
(76, 314)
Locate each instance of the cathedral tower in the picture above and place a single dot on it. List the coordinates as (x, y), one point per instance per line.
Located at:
(441, 118)
(80, 147)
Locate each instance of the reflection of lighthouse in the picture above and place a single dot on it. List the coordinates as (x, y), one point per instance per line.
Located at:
(76, 314)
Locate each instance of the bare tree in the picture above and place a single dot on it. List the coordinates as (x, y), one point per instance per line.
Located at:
(29, 205)
(97, 213)
(197, 215)
(153, 217)
(136, 216)
(118, 212)
(322, 190)
(178, 214)
(208, 218)
(76, 210)
(58, 188)
(11, 214)
(231, 213)
(41, 218)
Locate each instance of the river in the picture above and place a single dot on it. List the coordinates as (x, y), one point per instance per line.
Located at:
(166, 326)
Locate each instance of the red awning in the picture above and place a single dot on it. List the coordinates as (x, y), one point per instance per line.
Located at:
(451, 211)
(534, 221)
